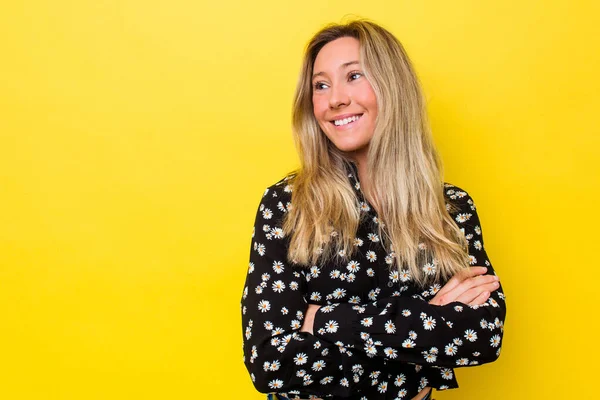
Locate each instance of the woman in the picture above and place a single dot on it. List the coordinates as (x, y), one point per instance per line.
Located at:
(375, 283)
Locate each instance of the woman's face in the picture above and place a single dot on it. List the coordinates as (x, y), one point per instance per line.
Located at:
(344, 102)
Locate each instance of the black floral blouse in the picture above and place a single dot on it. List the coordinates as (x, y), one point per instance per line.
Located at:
(375, 336)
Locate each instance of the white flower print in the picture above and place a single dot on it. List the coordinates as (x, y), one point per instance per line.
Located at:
(460, 218)
(495, 341)
(318, 365)
(331, 326)
(383, 298)
(267, 214)
(314, 271)
(400, 379)
(260, 249)
(429, 323)
(405, 275)
(390, 327)
(429, 269)
(371, 256)
(390, 352)
(278, 286)
(278, 267)
(274, 365)
(353, 266)
(281, 207)
(470, 335)
(264, 306)
(451, 349)
(373, 237)
(370, 349)
(277, 233)
(300, 359)
(276, 384)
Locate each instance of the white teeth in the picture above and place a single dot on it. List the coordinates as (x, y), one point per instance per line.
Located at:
(345, 121)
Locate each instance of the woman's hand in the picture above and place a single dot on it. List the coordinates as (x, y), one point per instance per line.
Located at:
(309, 318)
(470, 287)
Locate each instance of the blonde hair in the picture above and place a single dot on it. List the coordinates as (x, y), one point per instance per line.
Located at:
(403, 166)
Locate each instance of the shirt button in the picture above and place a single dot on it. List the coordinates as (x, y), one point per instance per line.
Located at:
(390, 284)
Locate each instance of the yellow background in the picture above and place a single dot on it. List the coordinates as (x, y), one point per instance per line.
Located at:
(136, 138)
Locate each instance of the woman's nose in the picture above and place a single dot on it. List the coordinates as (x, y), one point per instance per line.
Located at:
(339, 97)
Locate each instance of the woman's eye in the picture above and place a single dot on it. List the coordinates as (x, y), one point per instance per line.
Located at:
(319, 86)
(355, 75)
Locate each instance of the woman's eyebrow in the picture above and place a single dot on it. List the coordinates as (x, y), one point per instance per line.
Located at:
(343, 66)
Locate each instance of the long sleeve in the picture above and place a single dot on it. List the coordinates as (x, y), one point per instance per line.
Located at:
(408, 329)
(277, 355)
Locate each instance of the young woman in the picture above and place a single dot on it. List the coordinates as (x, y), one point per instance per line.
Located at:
(368, 278)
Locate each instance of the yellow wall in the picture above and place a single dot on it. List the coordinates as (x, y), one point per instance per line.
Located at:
(136, 138)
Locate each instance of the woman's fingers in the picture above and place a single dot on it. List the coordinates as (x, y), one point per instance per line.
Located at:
(479, 300)
(474, 282)
(460, 278)
(465, 287)
(470, 295)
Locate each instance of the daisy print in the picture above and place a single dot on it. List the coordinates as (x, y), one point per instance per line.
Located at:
(366, 289)
(264, 306)
(353, 266)
(470, 335)
(278, 267)
(277, 233)
(267, 214)
(278, 286)
(373, 237)
(276, 384)
(300, 359)
(390, 352)
(390, 327)
(371, 256)
(460, 218)
(400, 379)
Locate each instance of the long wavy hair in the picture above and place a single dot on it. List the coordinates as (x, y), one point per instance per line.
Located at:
(403, 166)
